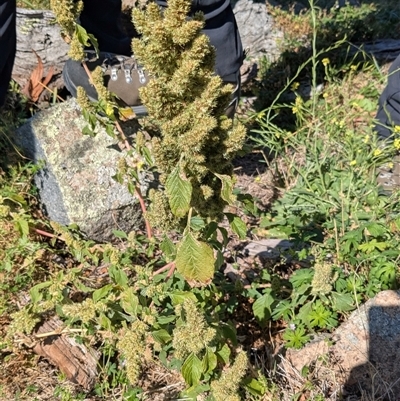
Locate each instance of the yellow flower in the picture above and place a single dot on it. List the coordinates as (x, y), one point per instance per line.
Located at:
(377, 152)
(325, 95)
(390, 165)
(396, 144)
(396, 129)
(353, 163)
(295, 110)
(353, 67)
(325, 61)
(294, 86)
(366, 139)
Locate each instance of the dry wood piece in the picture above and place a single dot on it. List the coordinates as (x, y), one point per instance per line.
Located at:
(76, 361)
(37, 33)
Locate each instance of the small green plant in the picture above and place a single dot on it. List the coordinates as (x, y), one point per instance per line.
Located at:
(347, 228)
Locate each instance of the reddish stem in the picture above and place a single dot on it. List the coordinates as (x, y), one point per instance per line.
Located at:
(44, 233)
(170, 266)
(128, 147)
(144, 210)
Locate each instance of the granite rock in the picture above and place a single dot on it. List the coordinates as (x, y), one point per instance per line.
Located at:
(257, 30)
(362, 354)
(75, 183)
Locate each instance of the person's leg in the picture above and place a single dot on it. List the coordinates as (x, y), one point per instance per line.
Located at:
(102, 18)
(220, 27)
(222, 30)
(388, 115)
(7, 44)
(234, 80)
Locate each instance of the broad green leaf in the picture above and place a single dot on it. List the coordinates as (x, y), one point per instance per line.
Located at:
(211, 229)
(129, 301)
(105, 322)
(268, 221)
(165, 319)
(86, 130)
(118, 275)
(82, 287)
(192, 393)
(342, 302)
(255, 387)
(179, 192)
(86, 38)
(262, 307)
(365, 104)
(227, 188)
(375, 229)
(237, 224)
(301, 276)
(209, 361)
(304, 313)
(224, 353)
(195, 259)
(120, 234)
(220, 260)
(197, 223)
(82, 35)
(16, 198)
(169, 248)
(102, 292)
(178, 297)
(372, 245)
(191, 370)
(37, 296)
(225, 236)
(282, 310)
(162, 336)
(229, 333)
(22, 226)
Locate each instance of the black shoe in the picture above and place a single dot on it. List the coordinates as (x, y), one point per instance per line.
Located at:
(122, 76)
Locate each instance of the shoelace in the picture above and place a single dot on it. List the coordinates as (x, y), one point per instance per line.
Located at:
(127, 65)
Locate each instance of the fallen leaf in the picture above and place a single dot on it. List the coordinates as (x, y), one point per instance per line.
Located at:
(37, 82)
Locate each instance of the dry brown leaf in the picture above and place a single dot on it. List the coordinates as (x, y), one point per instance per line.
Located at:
(37, 82)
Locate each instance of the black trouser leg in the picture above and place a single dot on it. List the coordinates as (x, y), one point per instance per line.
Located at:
(388, 114)
(8, 42)
(102, 19)
(233, 79)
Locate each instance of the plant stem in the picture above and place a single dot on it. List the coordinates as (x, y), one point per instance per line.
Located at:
(45, 233)
(127, 147)
(314, 57)
(170, 266)
(137, 189)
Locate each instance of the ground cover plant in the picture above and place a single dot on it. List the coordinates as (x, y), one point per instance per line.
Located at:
(162, 336)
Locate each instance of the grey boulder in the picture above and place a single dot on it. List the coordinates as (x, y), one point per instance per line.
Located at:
(362, 356)
(257, 29)
(75, 182)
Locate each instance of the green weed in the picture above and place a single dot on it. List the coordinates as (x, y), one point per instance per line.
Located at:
(345, 229)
